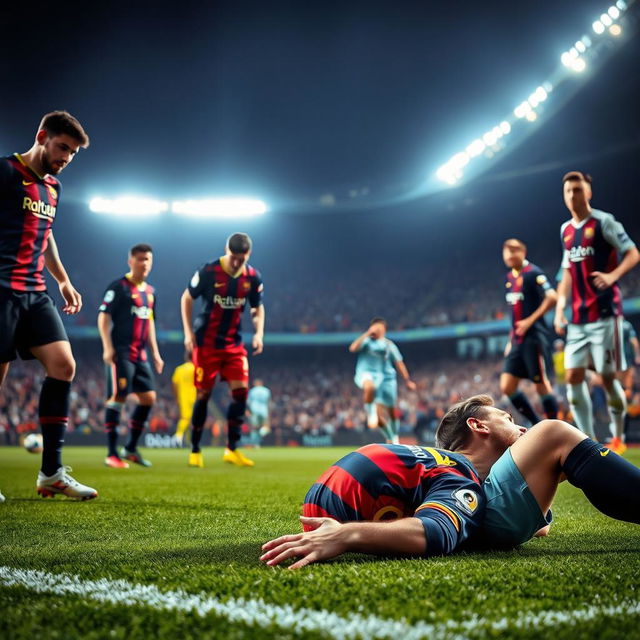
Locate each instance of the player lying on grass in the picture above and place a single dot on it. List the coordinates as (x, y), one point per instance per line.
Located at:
(434, 496)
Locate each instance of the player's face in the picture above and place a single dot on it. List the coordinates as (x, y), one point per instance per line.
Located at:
(57, 152)
(577, 194)
(504, 431)
(377, 330)
(140, 265)
(513, 256)
(237, 260)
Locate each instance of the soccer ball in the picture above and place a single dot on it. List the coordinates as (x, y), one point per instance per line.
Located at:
(33, 443)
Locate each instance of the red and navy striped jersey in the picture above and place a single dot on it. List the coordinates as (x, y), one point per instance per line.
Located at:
(224, 297)
(386, 482)
(131, 308)
(28, 204)
(524, 291)
(593, 245)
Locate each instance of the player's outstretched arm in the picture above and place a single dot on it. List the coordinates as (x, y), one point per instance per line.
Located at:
(330, 538)
(404, 372)
(71, 297)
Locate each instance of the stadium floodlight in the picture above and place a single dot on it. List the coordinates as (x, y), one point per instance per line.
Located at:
(621, 4)
(579, 65)
(476, 148)
(580, 46)
(522, 109)
(219, 208)
(531, 116)
(490, 138)
(606, 20)
(598, 27)
(505, 127)
(128, 206)
(614, 12)
(615, 30)
(586, 40)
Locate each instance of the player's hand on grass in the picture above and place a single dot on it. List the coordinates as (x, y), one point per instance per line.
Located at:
(602, 280)
(256, 343)
(325, 541)
(72, 298)
(158, 363)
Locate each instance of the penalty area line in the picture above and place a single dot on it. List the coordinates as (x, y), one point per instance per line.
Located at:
(258, 613)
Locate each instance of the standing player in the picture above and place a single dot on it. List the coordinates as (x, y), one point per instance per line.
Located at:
(184, 391)
(126, 322)
(591, 242)
(258, 402)
(528, 352)
(225, 285)
(29, 323)
(379, 361)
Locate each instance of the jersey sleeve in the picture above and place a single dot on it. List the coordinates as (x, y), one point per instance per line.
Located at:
(394, 352)
(615, 235)
(542, 282)
(111, 298)
(197, 283)
(451, 513)
(565, 264)
(255, 297)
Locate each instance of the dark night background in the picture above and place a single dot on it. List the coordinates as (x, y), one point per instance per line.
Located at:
(290, 101)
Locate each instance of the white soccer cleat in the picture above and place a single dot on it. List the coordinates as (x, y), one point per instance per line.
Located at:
(62, 482)
(2, 498)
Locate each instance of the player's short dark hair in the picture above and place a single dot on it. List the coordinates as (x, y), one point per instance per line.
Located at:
(378, 319)
(453, 432)
(140, 248)
(509, 241)
(62, 122)
(239, 243)
(577, 175)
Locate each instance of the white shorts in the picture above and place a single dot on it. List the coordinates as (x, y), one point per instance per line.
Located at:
(362, 376)
(595, 344)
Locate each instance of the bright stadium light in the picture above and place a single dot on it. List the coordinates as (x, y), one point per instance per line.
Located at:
(580, 46)
(522, 109)
(606, 20)
(490, 138)
(219, 208)
(579, 65)
(598, 27)
(128, 206)
(531, 116)
(586, 40)
(615, 30)
(614, 12)
(476, 148)
(621, 4)
(505, 127)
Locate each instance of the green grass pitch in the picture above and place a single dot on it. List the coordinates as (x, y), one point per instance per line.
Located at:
(199, 531)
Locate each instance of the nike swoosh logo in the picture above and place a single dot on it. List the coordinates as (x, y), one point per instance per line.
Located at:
(604, 453)
(27, 184)
(218, 284)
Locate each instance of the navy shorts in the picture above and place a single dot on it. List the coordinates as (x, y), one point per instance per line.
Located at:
(531, 359)
(125, 377)
(27, 319)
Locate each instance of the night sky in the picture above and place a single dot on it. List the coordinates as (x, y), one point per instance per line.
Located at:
(289, 101)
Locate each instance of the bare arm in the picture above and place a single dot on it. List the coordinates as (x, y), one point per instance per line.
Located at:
(257, 317)
(186, 310)
(71, 297)
(330, 538)
(354, 347)
(153, 343)
(605, 280)
(636, 350)
(104, 329)
(402, 370)
(549, 301)
(563, 291)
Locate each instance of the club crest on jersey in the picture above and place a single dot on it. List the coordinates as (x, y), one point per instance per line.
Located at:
(508, 285)
(246, 286)
(466, 499)
(122, 383)
(39, 208)
(588, 232)
(109, 296)
(541, 279)
(52, 192)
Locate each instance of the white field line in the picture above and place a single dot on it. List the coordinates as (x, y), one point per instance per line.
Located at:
(259, 613)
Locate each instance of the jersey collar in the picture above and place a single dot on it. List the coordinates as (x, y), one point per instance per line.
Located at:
(140, 285)
(223, 264)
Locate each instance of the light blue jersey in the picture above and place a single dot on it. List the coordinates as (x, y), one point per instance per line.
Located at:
(258, 400)
(376, 362)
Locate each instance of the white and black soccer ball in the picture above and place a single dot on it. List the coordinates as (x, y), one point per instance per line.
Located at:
(33, 443)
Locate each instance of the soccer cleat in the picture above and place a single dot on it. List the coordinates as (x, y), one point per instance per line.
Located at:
(116, 463)
(62, 482)
(617, 446)
(196, 460)
(236, 457)
(134, 456)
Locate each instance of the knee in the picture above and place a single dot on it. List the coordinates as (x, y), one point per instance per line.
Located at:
(575, 376)
(63, 369)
